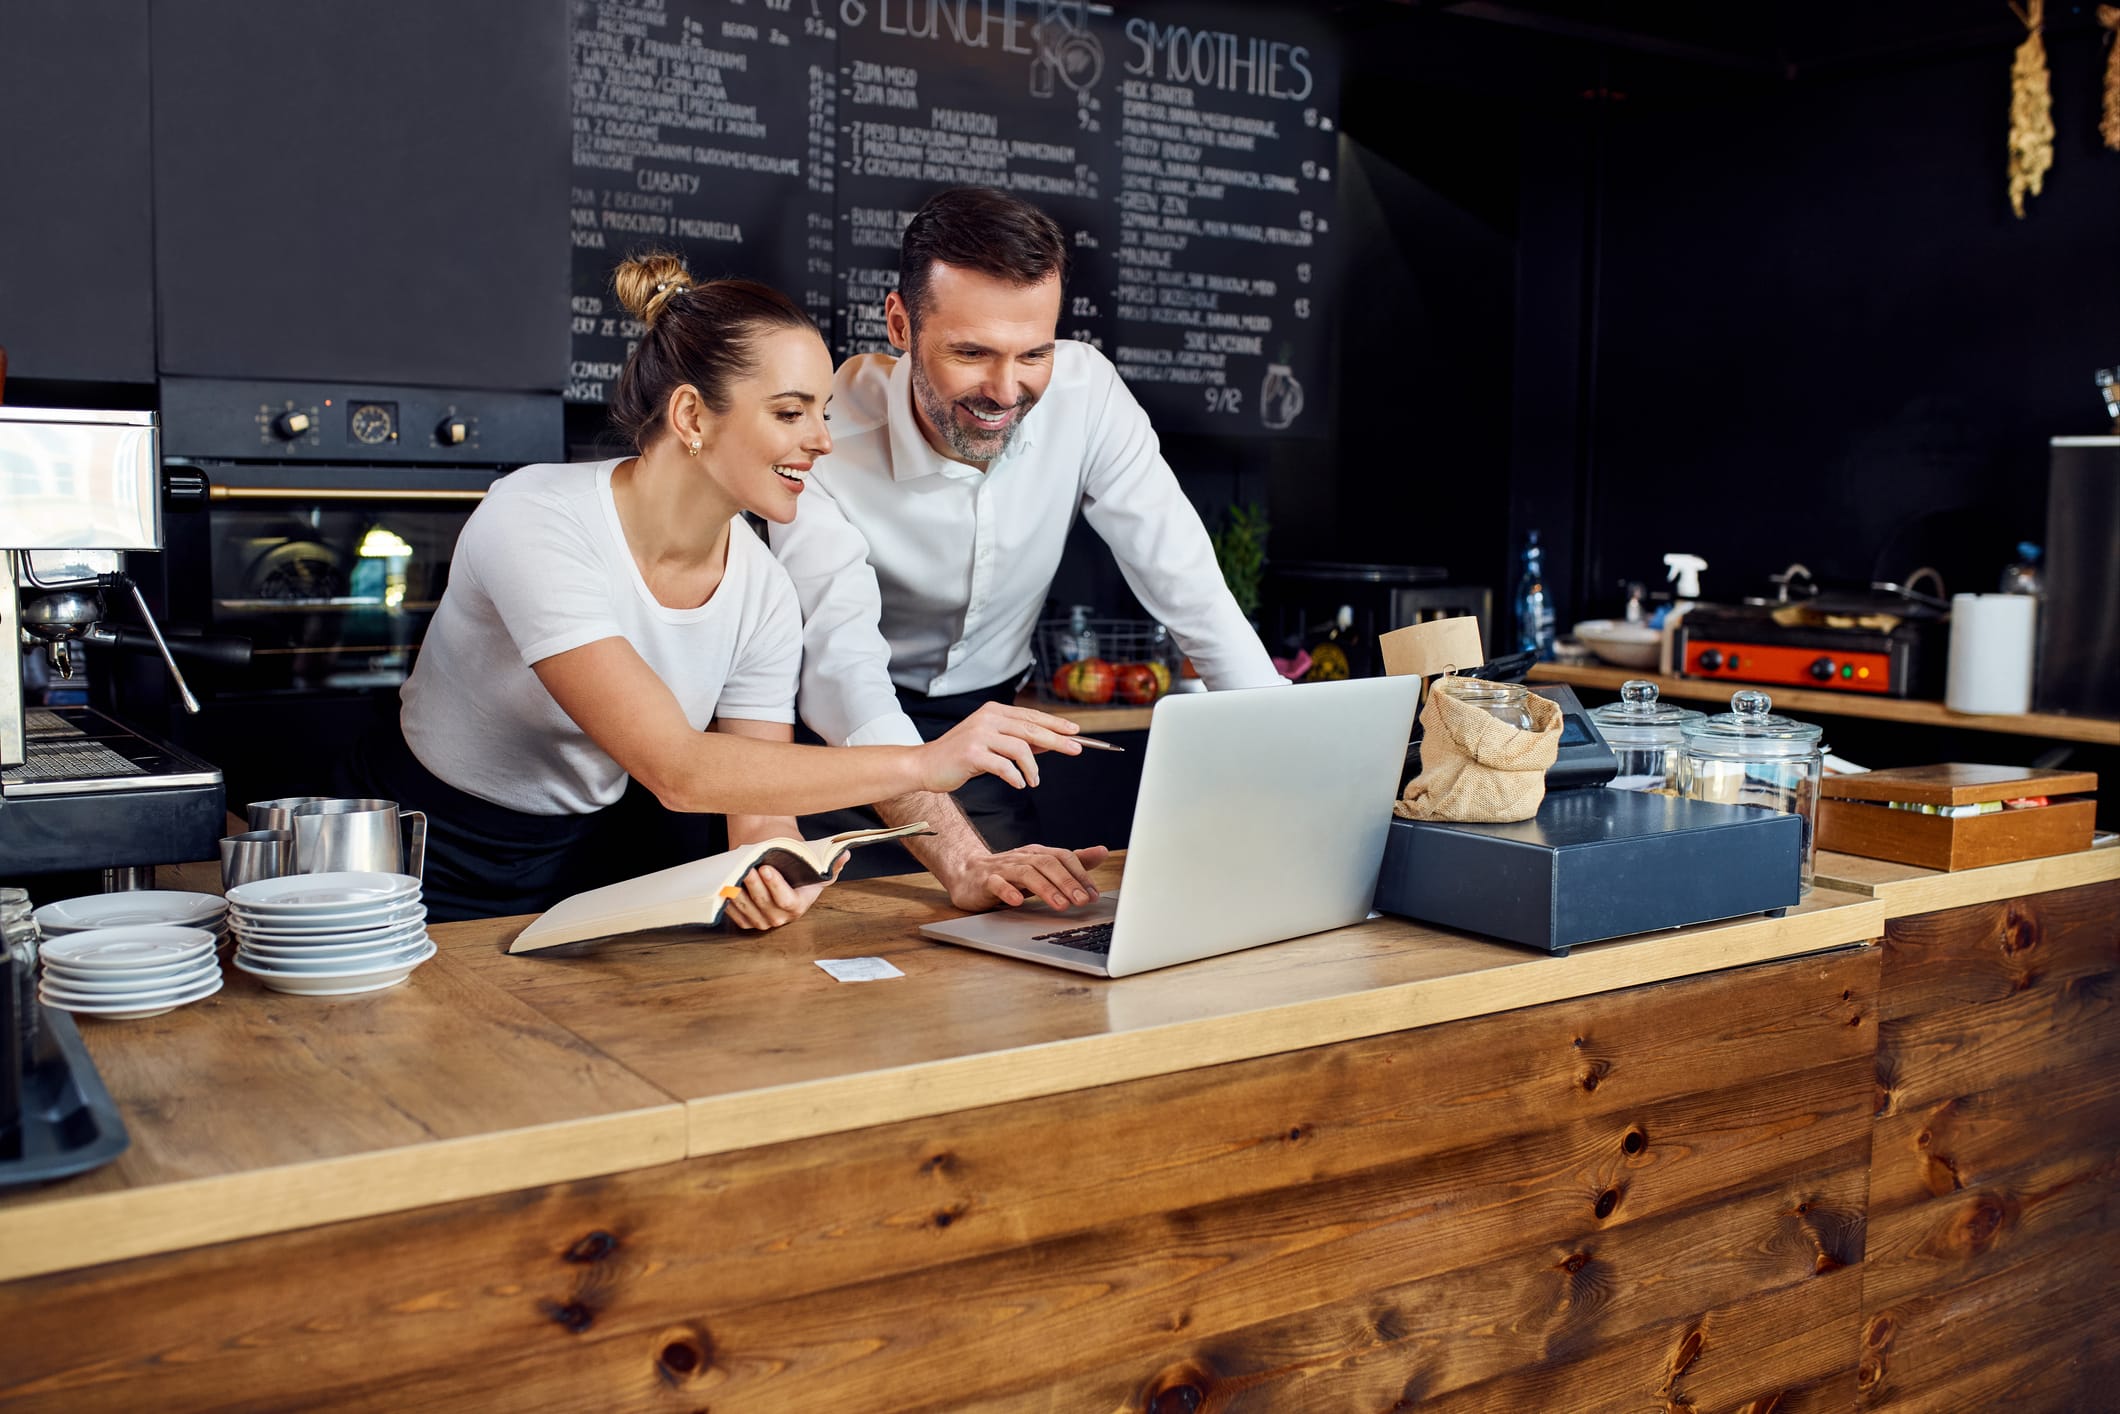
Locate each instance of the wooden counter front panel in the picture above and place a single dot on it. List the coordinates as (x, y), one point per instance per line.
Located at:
(1994, 1269)
(1650, 1197)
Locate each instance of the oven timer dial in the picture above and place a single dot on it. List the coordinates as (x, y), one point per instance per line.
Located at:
(372, 424)
(454, 430)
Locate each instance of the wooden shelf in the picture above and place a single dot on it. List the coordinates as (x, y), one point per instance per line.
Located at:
(2096, 730)
(1091, 718)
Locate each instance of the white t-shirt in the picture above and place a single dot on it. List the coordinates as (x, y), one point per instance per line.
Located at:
(542, 567)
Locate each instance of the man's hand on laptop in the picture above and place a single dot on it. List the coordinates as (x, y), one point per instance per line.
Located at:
(1058, 877)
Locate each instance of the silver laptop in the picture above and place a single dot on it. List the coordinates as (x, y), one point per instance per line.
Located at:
(1261, 816)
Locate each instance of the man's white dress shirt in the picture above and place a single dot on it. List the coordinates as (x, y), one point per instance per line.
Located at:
(917, 569)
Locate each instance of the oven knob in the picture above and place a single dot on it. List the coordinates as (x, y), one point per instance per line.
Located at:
(1823, 669)
(1710, 660)
(452, 431)
(290, 425)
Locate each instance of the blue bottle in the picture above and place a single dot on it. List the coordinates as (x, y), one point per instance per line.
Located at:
(1534, 605)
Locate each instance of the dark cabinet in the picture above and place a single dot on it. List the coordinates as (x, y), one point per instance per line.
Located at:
(363, 190)
(76, 258)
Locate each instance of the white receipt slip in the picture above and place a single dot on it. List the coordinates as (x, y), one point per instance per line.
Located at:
(858, 969)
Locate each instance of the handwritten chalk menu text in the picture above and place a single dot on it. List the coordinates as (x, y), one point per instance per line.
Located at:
(1188, 159)
(1225, 203)
(1015, 101)
(703, 128)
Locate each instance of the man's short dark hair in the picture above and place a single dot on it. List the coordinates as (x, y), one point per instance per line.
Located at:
(978, 228)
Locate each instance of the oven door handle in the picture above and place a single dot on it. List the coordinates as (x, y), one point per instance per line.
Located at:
(219, 492)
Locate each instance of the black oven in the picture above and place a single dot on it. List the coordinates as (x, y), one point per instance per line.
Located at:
(318, 521)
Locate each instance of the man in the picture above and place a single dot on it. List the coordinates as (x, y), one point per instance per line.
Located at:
(927, 540)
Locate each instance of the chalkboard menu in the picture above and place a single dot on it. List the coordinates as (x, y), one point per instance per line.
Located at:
(1189, 161)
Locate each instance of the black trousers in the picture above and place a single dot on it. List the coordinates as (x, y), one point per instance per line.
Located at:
(488, 861)
(1004, 816)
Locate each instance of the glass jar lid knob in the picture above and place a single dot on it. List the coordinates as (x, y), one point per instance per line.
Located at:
(1751, 704)
(1638, 697)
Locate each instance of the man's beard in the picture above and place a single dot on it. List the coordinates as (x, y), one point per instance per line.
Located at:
(970, 443)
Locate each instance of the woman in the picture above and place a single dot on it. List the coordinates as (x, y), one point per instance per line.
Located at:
(618, 619)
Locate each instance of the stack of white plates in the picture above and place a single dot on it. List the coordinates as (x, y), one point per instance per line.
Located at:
(139, 908)
(124, 973)
(326, 935)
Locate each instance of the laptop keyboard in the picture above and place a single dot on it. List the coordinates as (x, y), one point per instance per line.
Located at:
(1091, 938)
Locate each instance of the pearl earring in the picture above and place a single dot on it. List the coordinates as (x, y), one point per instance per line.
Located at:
(695, 447)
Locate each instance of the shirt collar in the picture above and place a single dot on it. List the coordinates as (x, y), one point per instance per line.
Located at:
(911, 455)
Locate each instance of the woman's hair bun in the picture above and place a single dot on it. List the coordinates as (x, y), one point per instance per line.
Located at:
(647, 283)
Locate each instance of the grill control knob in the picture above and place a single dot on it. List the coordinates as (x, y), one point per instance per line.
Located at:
(1710, 660)
(452, 431)
(1823, 669)
(290, 425)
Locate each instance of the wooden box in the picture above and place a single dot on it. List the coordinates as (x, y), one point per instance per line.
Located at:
(1855, 817)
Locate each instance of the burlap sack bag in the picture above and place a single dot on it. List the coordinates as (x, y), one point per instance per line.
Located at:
(1478, 767)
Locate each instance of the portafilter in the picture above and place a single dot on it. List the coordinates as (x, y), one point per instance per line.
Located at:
(72, 611)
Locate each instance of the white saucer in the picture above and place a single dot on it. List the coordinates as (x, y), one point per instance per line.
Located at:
(347, 927)
(129, 984)
(334, 983)
(300, 895)
(128, 949)
(134, 1008)
(375, 947)
(411, 955)
(335, 966)
(121, 910)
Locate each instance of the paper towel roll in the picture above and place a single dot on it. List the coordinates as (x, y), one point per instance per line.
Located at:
(1991, 653)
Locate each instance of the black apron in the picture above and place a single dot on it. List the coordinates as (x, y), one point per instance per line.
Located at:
(1006, 818)
(488, 861)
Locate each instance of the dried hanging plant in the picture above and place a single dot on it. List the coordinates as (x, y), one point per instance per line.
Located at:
(2031, 110)
(2109, 126)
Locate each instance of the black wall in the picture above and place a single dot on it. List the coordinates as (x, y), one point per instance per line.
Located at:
(363, 192)
(1768, 320)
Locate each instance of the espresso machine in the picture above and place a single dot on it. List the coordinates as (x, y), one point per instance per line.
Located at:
(80, 791)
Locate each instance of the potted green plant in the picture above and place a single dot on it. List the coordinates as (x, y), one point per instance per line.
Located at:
(1240, 551)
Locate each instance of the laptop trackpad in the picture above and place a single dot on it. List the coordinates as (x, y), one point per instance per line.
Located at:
(1079, 936)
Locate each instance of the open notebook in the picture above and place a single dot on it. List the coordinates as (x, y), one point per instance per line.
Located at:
(692, 895)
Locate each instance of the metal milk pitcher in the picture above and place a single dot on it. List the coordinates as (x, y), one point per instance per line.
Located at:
(370, 836)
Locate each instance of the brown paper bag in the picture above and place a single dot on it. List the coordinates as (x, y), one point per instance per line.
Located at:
(1476, 767)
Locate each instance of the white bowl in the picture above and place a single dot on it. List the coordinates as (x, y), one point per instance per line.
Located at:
(1621, 643)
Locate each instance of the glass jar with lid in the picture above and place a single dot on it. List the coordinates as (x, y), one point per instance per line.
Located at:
(1749, 756)
(1646, 735)
(1504, 701)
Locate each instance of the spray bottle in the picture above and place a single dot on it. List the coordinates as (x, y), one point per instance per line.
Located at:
(1684, 573)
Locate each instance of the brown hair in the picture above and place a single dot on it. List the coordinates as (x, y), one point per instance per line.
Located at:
(977, 228)
(704, 335)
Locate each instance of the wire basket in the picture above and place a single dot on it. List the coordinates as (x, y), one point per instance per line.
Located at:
(1117, 662)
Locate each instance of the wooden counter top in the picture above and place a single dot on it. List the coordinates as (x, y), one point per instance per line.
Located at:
(763, 1046)
(255, 1112)
(1908, 890)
